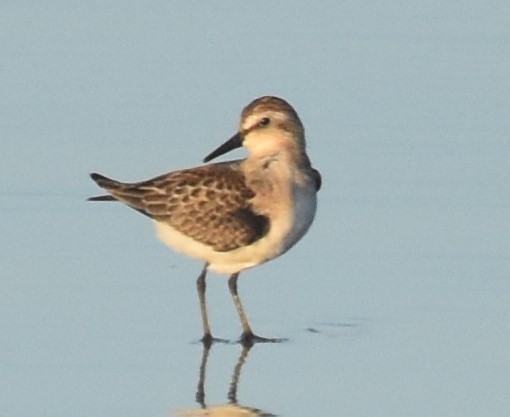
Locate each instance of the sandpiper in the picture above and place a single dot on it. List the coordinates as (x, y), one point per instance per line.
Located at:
(238, 214)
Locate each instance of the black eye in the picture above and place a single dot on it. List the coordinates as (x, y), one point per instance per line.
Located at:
(264, 121)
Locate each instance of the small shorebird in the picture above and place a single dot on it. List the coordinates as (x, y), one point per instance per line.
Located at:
(238, 214)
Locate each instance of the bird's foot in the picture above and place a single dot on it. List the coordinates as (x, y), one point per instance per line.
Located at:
(248, 339)
(208, 340)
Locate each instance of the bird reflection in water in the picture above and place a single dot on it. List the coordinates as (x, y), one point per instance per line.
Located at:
(232, 408)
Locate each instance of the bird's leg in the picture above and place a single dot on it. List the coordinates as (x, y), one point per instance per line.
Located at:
(207, 338)
(248, 338)
(232, 285)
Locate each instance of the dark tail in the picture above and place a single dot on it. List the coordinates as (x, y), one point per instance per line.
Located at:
(126, 193)
(106, 183)
(102, 198)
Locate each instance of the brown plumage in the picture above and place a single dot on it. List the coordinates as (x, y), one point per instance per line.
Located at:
(210, 204)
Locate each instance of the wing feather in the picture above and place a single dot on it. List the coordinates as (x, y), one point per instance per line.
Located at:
(210, 204)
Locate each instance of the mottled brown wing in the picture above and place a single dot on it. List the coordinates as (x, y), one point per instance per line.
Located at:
(210, 204)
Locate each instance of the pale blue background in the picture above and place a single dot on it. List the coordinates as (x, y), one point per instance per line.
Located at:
(396, 303)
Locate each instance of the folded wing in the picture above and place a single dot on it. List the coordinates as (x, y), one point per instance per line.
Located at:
(210, 204)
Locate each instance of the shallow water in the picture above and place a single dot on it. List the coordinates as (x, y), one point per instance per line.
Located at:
(396, 301)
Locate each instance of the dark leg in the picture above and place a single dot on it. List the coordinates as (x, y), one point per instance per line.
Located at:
(232, 285)
(248, 338)
(207, 338)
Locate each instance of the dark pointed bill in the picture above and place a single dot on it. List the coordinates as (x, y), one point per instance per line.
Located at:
(234, 142)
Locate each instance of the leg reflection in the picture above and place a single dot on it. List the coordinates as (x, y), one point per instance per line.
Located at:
(232, 392)
(200, 395)
(232, 408)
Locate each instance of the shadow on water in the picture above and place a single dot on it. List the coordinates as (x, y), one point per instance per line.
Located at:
(230, 409)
